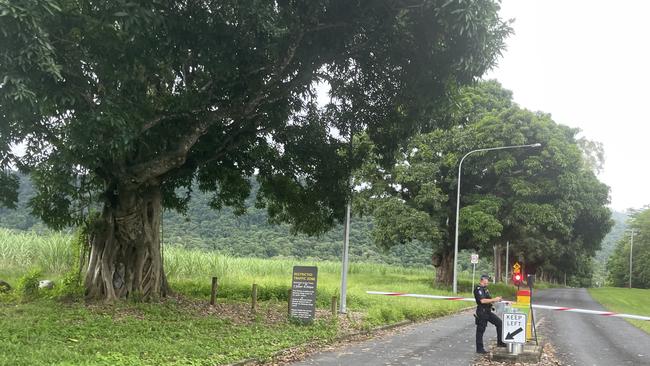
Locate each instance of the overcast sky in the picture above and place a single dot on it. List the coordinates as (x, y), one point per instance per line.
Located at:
(587, 64)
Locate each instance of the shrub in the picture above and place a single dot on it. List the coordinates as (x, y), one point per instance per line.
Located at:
(27, 287)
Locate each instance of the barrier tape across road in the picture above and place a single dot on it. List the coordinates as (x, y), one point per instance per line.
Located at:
(535, 306)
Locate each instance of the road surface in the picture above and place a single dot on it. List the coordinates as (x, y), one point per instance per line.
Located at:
(579, 339)
(589, 340)
(445, 341)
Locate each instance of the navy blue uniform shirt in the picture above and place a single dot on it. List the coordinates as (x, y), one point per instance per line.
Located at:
(481, 292)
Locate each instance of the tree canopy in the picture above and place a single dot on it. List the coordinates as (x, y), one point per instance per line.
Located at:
(128, 103)
(637, 239)
(546, 202)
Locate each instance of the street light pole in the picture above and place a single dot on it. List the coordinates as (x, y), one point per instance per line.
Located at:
(631, 248)
(460, 165)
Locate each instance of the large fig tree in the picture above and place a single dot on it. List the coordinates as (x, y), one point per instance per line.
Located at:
(123, 105)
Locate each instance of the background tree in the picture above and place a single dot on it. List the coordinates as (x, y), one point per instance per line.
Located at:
(608, 245)
(618, 265)
(126, 104)
(547, 202)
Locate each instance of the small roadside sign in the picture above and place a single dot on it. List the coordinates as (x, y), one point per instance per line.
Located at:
(514, 328)
(474, 258)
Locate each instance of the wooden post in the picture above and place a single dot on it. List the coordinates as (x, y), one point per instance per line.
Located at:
(289, 304)
(333, 305)
(254, 297)
(213, 292)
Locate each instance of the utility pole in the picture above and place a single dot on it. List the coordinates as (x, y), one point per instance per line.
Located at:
(631, 248)
(344, 266)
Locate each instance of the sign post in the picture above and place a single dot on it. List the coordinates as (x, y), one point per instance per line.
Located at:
(474, 260)
(303, 293)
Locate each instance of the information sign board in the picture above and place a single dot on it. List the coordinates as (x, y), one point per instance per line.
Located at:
(303, 293)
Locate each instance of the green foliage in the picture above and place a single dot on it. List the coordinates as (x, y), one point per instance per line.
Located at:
(123, 96)
(547, 202)
(48, 332)
(248, 235)
(618, 265)
(608, 245)
(27, 287)
(70, 286)
(53, 253)
(180, 331)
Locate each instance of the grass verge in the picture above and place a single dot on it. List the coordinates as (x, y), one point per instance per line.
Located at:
(183, 329)
(625, 300)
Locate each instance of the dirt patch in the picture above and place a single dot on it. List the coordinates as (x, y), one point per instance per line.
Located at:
(268, 312)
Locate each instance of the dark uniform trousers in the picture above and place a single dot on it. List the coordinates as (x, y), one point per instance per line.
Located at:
(483, 316)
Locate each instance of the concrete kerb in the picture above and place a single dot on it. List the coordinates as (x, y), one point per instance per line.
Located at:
(343, 337)
(532, 353)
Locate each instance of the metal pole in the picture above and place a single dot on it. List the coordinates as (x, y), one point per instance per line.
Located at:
(507, 263)
(460, 165)
(473, 273)
(495, 263)
(344, 269)
(631, 247)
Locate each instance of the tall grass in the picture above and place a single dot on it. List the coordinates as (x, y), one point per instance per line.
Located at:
(190, 272)
(21, 251)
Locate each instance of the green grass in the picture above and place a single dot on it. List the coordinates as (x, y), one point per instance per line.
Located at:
(624, 300)
(47, 332)
(41, 330)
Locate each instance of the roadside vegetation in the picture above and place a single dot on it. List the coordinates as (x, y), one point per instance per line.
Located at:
(624, 300)
(57, 327)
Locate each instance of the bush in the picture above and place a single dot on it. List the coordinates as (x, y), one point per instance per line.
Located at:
(27, 287)
(71, 287)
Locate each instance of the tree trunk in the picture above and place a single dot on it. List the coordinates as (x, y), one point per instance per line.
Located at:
(498, 269)
(125, 255)
(443, 261)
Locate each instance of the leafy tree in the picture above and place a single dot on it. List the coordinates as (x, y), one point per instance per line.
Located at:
(546, 202)
(608, 245)
(125, 103)
(618, 265)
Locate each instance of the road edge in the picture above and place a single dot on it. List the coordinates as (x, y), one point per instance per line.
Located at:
(343, 337)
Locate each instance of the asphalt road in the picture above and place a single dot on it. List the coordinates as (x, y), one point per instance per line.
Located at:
(579, 339)
(445, 341)
(589, 340)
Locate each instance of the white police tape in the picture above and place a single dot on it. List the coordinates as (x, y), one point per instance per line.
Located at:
(535, 306)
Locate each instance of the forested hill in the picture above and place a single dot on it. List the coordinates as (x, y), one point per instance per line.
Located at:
(248, 235)
(608, 245)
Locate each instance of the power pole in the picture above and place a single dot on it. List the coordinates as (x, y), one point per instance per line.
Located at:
(631, 249)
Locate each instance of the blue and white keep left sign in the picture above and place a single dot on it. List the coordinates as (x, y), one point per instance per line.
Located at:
(514, 328)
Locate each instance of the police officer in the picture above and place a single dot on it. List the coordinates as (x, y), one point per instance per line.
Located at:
(484, 313)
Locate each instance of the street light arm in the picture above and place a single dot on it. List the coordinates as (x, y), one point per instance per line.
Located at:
(460, 165)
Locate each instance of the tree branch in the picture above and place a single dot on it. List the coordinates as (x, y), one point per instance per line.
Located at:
(140, 173)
